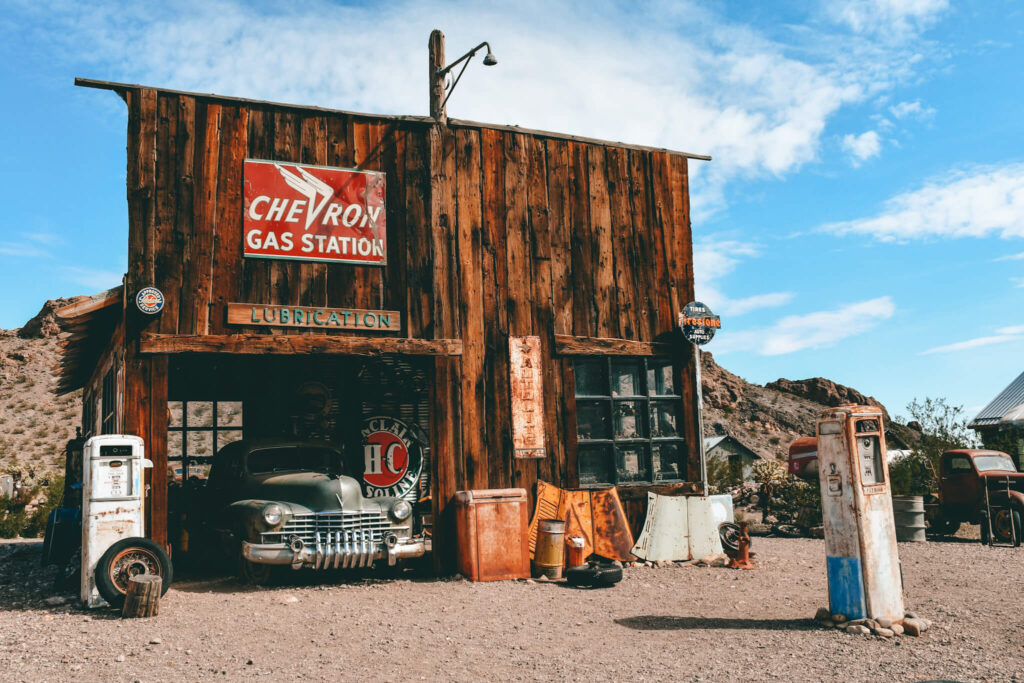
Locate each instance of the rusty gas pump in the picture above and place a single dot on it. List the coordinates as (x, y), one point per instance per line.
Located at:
(864, 579)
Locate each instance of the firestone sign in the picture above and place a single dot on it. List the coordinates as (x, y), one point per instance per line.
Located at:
(313, 213)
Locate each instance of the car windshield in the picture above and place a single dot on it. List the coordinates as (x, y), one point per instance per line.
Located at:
(291, 459)
(987, 463)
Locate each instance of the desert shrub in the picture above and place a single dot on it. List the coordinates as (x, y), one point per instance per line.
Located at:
(723, 475)
(943, 428)
(35, 525)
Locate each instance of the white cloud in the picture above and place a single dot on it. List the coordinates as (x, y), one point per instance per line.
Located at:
(979, 341)
(894, 19)
(811, 330)
(913, 109)
(715, 259)
(672, 75)
(23, 250)
(96, 280)
(862, 147)
(973, 203)
(1011, 257)
(1017, 281)
(1013, 329)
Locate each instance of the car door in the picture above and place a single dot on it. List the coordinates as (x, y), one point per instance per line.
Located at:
(959, 483)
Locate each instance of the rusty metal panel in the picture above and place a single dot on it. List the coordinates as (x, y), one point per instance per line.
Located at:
(595, 515)
(527, 385)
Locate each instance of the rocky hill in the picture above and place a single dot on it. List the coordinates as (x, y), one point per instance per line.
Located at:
(35, 424)
(768, 418)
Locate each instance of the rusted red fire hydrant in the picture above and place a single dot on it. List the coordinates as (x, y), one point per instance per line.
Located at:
(742, 559)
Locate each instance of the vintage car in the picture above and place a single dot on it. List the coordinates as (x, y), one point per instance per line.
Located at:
(287, 504)
(975, 485)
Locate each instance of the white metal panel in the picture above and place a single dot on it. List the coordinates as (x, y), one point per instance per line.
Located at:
(665, 535)
(704, 538)
(721, 506)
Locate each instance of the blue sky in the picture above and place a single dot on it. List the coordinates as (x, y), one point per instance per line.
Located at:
(862, 220)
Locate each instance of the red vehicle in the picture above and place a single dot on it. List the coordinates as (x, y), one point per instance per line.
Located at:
(978, 487)
(803, 457)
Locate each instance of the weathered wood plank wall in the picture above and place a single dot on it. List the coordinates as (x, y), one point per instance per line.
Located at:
(491, 233)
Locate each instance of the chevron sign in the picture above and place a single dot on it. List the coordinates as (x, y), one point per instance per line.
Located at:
(313, 213)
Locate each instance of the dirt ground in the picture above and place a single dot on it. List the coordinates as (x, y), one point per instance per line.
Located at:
(660, 623)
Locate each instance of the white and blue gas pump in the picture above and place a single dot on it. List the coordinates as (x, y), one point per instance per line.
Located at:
(864, 579)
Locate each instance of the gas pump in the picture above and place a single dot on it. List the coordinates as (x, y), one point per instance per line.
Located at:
(864, 579)
(112, 520)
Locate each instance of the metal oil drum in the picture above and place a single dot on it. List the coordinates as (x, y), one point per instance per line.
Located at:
(908, 513)
(549, 555)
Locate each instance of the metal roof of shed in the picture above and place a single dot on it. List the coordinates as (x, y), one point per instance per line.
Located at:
(1011, 397)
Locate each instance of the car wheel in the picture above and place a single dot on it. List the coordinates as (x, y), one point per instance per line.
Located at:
(937, 525)
(730, 535)
(127, 558)
(1006, 526)
(252, 573)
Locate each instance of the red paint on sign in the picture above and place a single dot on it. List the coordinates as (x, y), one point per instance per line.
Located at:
(313, 213)
(386, 465)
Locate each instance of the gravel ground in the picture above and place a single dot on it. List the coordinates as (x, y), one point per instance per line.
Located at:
(678, 622)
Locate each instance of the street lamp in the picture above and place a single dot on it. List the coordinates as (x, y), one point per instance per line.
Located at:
(439, 73)
(489, 60)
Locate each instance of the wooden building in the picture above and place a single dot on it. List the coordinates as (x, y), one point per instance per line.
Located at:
(577, 250)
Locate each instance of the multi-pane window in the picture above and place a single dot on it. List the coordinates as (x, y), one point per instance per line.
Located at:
(628, 421)
(196, 430)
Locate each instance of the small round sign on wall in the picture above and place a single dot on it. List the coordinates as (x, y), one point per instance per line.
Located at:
(393, 458)
(698, 323)
(150, 300)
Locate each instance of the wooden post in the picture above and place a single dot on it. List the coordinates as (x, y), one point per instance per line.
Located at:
(436, 48)
(143, 596)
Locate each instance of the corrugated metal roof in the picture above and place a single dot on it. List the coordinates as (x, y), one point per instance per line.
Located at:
(1010, 397)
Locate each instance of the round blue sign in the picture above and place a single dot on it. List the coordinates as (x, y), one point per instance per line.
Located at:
(150, 300)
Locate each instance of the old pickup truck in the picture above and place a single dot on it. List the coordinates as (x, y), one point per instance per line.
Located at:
(288, 504)
(978, 487)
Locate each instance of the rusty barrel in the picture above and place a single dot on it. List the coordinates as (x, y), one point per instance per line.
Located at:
(550, 552)
(908, 514)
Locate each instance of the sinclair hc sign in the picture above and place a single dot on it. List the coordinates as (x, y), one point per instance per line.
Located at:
(314, 213)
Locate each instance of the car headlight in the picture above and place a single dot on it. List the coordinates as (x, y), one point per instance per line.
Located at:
(272, 514)
(401, 510)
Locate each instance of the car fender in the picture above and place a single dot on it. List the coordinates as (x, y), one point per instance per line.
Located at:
(246, 516)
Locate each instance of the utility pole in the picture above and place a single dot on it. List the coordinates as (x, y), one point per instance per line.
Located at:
(436, 48)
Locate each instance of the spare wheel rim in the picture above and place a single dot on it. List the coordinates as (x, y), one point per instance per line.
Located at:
(132, 562)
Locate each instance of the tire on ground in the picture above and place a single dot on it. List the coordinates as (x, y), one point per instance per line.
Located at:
(130, 557)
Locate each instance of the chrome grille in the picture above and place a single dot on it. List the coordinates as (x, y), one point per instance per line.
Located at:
(373, 526)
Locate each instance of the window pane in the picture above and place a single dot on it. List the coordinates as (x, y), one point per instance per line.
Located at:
(664, 418)
(665, 461)
(659, 378)
(174, 413)
(631, 463)
(174, 446)
(592, 421)
(629, 420)
(229, 414)
(200, 413)
(226, 436)
(594, 462)
(626, 378)
(198, 470)
(200, 444)
(590, 380)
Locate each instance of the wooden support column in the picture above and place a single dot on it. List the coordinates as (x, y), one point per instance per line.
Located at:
(436, 49)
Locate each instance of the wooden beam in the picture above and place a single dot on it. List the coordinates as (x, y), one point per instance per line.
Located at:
(91, 304)
(568, 345)
(260, 344)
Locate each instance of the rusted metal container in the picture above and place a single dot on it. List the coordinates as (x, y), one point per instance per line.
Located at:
(908, 512)
(492, 530)
(550, 553)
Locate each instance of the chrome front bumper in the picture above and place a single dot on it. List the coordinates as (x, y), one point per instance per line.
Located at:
(336, 550)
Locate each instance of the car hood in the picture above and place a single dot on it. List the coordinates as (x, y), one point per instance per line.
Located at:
(313, 490)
